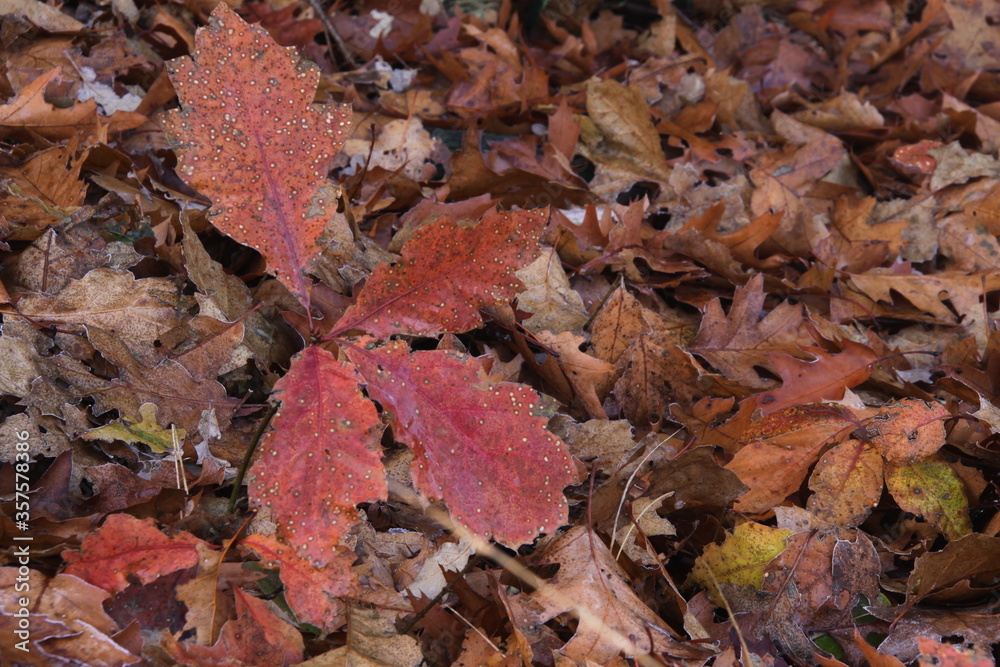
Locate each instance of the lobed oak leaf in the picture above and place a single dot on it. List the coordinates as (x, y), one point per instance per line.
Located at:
(168, 385)
(590, 378)
(139, 311)
(249, 138)
(125, 546)
(42, 191)
(447, 272)
(742, 243)
(735, 344)
(312, 593)
(971, 557)
(823, 379)
(321, 458)
(481, 447)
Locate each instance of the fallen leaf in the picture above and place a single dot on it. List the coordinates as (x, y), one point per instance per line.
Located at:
(930, 489)
(443, 412)
(249, 138)
(322, 458)
(125, 546)
(446, 274)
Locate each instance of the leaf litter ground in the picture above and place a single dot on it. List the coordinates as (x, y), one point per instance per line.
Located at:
(592, 334)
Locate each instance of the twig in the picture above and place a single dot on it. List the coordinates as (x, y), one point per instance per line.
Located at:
(332, 33)
(238, 482)
(437, 598)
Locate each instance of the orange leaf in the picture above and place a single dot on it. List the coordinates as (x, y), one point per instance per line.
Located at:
(125, 546)
(250, 139)
(823, 379)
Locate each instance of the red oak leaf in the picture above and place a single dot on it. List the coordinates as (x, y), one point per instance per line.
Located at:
(311, 592)
(446, 274)
(481, 447)
(250, 139)
(823, 379)
(126, 546)
(322, 457)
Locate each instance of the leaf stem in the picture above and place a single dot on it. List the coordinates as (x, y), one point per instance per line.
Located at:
(238, 482)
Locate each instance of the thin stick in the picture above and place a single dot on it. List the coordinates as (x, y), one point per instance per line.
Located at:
(483, 547)
(179, 460)
(332, 32)
(440, 596)
(238, 482)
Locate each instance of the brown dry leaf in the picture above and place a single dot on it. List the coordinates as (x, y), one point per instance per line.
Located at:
(779, 450)
(180, 399)
(224, 297)
(372, 640)
(208, 604)
(609, 441)
(590, 579)
(843, 113)
(854, 244)
(591, 378)
(736, 343)
(808, 593)
(743, 242)
(30, 112)
(970, 556)
(969, 247)
(957, 165)
(976, 628)
(785, 177)
(139, 311)
(43, 191)
(618, 324)
(824, 378)
(987, 129)
(213, 348)
(655, 373)
(974, 41)
(41, 15)
(846, 484)
(554, 305)
(927, 293)
(402, 145)
(85, 630)
(622, 141)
